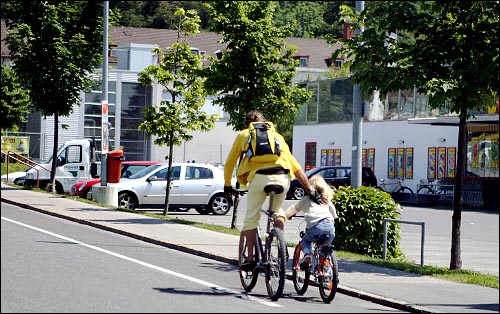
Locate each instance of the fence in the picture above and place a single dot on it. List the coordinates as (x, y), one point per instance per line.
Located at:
(422, 235)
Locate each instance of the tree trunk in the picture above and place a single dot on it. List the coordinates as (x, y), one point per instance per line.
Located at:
(456, 259)
(54, 153)
(169, 175)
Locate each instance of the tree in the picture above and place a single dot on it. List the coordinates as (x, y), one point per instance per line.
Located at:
(257, 69)
(179, 73)
(54, 46)
(15, 100)
(448, 50)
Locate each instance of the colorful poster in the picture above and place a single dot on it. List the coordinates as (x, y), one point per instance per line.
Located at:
(338, 157)
(330, 158)
(391, 163)
(431, 163)
(475, 153)
(441, 163)
(323, 158)
(409, 163)
(105, 128)
(400, 165)
(371, 158)
(451, 156)
(17, 144)
(364, 160)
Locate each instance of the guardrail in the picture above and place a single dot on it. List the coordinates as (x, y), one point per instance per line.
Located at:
(422, 235)
(25, 161)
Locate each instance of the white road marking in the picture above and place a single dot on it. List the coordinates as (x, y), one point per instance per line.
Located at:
(216, 288)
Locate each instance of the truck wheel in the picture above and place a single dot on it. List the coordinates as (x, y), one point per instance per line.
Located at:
(127, 200)
(59, 188)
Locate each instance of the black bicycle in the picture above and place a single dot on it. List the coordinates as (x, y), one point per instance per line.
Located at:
(323, 267)
(270, 256)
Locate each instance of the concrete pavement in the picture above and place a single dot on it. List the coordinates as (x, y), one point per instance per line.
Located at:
(404, 291)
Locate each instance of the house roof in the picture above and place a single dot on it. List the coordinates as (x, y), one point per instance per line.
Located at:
(317, 49)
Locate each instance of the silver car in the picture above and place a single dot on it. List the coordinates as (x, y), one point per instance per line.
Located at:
(194, 185)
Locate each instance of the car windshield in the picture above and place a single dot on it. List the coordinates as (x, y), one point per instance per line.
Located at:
(145, 171)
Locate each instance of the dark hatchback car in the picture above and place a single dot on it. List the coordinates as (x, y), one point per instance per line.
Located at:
(336, 176)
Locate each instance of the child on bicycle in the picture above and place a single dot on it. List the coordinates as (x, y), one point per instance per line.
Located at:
(319, 218)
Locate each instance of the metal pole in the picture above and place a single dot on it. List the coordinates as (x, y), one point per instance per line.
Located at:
(357, 121)
(104, 95)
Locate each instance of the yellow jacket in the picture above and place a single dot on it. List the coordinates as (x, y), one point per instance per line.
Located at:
(247, 168)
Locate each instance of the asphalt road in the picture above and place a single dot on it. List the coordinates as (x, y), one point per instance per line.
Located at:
(55, 265)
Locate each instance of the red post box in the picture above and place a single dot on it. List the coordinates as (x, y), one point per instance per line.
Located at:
(115, 158)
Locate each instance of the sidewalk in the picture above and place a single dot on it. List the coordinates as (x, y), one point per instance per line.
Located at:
(404, 291)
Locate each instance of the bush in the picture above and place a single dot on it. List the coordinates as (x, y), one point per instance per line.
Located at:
(359, 227)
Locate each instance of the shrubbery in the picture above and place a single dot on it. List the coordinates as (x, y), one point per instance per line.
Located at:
(359, 227)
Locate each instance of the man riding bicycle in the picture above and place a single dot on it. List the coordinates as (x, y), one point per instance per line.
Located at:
(257, 175)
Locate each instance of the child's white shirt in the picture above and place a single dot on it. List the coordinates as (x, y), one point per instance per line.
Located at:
(313, 212)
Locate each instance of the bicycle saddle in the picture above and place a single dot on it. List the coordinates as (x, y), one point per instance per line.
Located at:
(276, 188)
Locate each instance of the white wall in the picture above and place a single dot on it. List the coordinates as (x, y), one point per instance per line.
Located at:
(206, 147)
(380, 135)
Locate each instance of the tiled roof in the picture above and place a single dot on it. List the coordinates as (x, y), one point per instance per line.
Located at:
(316, 49)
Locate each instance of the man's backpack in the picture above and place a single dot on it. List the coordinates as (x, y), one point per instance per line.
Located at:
(263, 145)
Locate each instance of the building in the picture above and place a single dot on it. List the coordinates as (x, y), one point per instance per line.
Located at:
(401, 136)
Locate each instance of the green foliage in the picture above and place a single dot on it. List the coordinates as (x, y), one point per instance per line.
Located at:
(15, 100)
(257, 69)
(178, 73)
(359, 227)
(448, 50)
(61, 42)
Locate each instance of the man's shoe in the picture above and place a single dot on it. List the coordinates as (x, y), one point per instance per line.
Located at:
(304, 264)
(248, 266)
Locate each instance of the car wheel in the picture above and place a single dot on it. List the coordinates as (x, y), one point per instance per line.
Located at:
(219, 204)
(127, 200)
(299, 193)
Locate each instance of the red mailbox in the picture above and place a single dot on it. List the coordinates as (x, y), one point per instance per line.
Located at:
(115, 158)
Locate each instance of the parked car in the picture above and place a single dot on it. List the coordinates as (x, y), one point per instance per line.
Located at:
(194, 185)
(17, 177)
(82, 187)
(336, 176)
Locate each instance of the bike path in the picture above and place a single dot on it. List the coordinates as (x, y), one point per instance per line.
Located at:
(404, 291)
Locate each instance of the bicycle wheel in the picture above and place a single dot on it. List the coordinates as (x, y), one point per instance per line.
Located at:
(300, 277)
(275, 263)
(405, 189)
(425, 190)
(329, 281)
(248, 278)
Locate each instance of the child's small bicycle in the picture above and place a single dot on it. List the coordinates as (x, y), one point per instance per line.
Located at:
(323, 266)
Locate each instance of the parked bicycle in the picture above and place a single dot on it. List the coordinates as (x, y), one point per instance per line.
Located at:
(271, 257)
(323, 267)
(435, 187)
(394, 188)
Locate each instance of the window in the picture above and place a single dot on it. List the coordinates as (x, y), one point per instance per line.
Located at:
(310, 155)
(304, 62)
(161, 174)
(193, 173)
